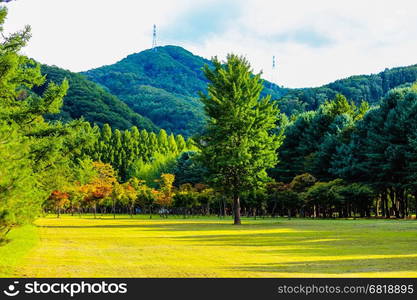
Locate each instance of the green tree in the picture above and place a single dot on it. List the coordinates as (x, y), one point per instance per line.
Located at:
(238, 145)
(30, 149)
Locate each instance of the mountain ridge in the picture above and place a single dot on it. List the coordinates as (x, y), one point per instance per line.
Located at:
(176, 77)
(159, 89)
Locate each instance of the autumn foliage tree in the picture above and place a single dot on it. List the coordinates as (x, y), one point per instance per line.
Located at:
(166, 191)
(131, 193)
(58, 200)
(146, 197)
(101, 187)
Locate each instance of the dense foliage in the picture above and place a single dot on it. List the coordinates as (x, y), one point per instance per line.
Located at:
(88, 100)
(134, 153)
(365, 158)
(35, 156)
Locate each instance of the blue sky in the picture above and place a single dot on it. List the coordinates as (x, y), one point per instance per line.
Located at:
(195, 25)
(315, 42)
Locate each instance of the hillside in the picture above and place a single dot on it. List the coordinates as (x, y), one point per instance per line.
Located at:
(89, 100)
(370, 88)
(162, 85)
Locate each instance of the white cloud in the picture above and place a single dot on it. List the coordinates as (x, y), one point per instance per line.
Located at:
(315, 41)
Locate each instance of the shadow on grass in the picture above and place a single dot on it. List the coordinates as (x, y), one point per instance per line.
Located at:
(173, 226)
(338, 266)
(321, 247)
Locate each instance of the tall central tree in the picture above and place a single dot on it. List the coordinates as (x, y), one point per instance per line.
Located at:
(240, 141)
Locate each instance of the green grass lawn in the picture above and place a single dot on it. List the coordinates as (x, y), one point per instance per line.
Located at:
(15, 248)
(210, 247)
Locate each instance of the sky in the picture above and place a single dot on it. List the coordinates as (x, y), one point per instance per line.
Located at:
(314, 42)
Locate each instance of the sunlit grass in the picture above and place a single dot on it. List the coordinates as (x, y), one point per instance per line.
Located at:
(17, 244)
(212, 247)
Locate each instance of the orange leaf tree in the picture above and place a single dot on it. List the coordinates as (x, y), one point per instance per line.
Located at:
(166, 191)
(59, 200)
(101, 186)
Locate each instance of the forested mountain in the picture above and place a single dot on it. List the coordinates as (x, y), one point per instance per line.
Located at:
(87, 99)
(163, 85)
(159, 88)
(370, 88)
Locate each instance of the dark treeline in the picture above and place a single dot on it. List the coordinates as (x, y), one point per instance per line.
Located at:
(363, 160)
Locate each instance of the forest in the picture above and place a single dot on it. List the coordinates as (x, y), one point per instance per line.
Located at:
(350, 152)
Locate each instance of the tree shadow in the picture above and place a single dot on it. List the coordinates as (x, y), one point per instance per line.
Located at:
(336, 267)
(171, 226)
(324, 248)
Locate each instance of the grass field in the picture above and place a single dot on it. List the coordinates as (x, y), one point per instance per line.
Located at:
(210, 247)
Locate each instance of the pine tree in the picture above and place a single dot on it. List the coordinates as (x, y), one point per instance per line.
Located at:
(31, 150)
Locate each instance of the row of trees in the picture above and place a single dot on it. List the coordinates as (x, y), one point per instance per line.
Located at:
(129, 151)
(373, 148)
(96, 189)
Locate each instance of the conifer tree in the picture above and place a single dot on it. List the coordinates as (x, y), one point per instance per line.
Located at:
(30, 148)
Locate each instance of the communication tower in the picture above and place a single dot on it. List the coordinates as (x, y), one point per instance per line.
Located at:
(274, 73)
(154, 38)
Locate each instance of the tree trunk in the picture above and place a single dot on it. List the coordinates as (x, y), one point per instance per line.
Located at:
(114, 210)
(384, 198)
(236, 208)
(415, 202)
(383, 211)
(394, 203)
(273, 209)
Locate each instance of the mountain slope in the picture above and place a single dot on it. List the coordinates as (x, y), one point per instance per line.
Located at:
(370, 88)
(162, 85)
(89, 100)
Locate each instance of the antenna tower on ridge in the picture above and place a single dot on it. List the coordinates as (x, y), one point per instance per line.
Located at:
(154, 38)
(273, 81)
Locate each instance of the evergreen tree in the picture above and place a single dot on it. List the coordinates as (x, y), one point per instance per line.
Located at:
(30, 148)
